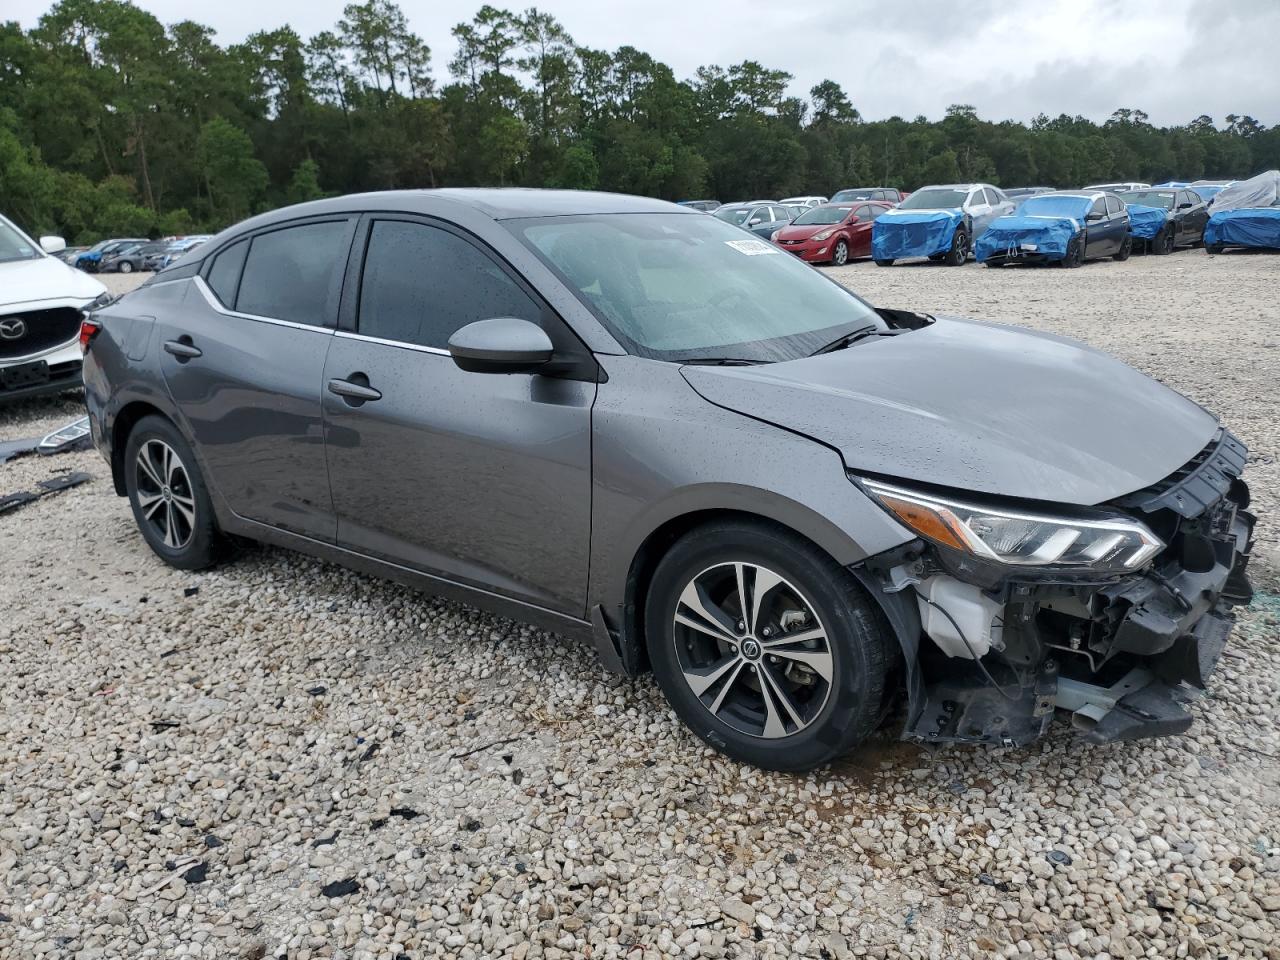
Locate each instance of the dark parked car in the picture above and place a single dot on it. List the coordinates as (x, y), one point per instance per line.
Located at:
(1187, 214)
(890, 195)
(705, 206)
(834, 233)
(1018, 194)
(91, 259)
(762, 219)
(131, 258)
(1066, 227)
(627, 422)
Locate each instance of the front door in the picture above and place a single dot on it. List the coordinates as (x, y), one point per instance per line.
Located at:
(483, 479)
(243, 357)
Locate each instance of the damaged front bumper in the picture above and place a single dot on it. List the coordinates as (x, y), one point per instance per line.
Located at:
(998, 653)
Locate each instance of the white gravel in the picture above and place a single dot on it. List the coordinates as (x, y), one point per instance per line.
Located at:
(186, 775)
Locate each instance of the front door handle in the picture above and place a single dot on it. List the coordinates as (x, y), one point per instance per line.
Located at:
(183, 349)
(353, 390)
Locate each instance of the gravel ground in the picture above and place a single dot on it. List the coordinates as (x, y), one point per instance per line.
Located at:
(281, 758)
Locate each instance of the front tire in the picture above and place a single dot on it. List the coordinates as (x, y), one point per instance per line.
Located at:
(959, 251)
(840, 256)
(170, 500)
(884, 263)
(1126, 248)
(766, 647)
(1213, 248)
(1162, 243)
(126, 267)
(1075, 254)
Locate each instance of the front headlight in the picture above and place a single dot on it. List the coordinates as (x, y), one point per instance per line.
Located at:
(1021, 538)
(824, 235)
(774, 236)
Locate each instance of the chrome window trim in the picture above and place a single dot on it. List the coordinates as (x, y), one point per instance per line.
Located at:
(350, 335)
(214, 303)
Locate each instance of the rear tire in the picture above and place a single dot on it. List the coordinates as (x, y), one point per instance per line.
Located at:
(959, 251)
(170, 500)
(741, 686)
(1126, 248)
(126, 267)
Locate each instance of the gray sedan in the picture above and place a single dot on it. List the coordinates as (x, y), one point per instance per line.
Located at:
(625, 421)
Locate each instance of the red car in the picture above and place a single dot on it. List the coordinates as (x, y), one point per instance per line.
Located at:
(834, 233)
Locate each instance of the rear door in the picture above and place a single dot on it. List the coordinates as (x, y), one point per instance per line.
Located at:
(243, 361)
(483, 479)
(860, 232)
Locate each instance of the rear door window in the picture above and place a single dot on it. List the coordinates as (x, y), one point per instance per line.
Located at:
(224, 274)
(422, 283)
(295, 273)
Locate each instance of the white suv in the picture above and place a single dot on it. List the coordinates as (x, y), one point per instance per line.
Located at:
(41, 299)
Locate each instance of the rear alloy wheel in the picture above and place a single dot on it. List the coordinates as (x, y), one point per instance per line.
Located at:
(840, 256)
(766, 648)
(959, 251)
(170, 502)
(1126, 248)
(1162, 243)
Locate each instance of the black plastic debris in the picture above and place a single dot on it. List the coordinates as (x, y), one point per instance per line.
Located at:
(211, 841)
(160, 725)
(44, 488)
(340, 888)
(12, 449)
(13, 501)
(1059, 857)
(326, 841)
(197, 874)
(185, 822)
(407, 813)
(377, 823)
(190, 591)
(989, 881)
(317, 690)
(471, 826)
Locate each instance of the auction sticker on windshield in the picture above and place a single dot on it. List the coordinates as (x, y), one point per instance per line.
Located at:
(752, 248)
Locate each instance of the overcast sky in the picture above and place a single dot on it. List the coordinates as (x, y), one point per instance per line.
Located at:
(1176, 59)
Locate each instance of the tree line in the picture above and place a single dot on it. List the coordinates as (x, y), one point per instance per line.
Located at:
(113, 123)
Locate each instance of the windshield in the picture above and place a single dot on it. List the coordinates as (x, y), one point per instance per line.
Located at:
(734, 215)
(1053, 206)
(852, 195)
(935, 198)
(825, 215)
(1149, 198)
(15, 246)
(676, 287)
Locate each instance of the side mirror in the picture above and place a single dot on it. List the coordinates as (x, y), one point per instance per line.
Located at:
(502, 345)
(1185, 206)
(1094, 215)
(52, 244)
(855, 220)
(755, 221)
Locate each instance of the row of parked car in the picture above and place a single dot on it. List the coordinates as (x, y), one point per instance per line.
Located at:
(951, 222)
(131, 254)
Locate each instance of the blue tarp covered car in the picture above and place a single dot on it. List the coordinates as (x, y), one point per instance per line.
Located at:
(1249, 227)
(1144, 221)
(1039, 231)
(913, 233)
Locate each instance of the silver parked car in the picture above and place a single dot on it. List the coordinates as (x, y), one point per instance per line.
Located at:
(635, 424)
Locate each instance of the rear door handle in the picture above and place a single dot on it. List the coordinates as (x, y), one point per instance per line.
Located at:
(354, 391)
(183, 349)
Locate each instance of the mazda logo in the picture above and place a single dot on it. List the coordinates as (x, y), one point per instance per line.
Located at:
(13, 328)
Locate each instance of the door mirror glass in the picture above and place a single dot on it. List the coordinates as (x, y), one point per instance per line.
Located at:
(1095, 215)
(52, 244)
(501, 345)
(755, 221)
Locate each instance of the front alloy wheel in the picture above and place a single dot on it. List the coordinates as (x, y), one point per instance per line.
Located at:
(841, 255)
(752, 650)
(765, 647)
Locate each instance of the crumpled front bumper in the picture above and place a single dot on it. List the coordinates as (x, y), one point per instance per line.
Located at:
(1123, 657)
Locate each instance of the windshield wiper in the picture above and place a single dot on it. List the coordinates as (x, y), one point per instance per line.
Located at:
(722, 361)
(841, 342)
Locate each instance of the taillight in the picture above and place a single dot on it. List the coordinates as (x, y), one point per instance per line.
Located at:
(88, 330)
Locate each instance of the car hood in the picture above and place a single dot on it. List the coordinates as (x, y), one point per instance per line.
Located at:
(975, 406)
(806, 231)
(47, 278)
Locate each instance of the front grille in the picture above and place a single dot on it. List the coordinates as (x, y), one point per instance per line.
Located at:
(35, 331)
(1198, 484)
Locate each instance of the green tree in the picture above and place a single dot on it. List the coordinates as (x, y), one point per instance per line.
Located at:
(236, 178)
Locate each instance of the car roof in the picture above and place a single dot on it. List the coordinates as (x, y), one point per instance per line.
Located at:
(497, 203)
